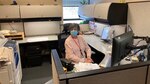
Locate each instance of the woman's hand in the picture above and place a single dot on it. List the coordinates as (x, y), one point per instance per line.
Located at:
(88, 60)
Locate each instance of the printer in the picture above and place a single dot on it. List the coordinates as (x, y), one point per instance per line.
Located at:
(10, 66)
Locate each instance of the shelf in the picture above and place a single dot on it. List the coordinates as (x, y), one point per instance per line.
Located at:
(15, 36)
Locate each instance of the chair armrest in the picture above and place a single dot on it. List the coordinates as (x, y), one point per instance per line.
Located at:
(67, 64)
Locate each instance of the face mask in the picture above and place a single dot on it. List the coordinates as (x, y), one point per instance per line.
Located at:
(74, 33)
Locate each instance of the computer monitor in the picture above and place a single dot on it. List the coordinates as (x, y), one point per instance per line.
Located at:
(120, 47)
(106, 33)
(92, 26)
(99, 28)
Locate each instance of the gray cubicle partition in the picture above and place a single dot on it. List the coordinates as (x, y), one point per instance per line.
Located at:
(148, 76)
(137, 73)
(129, 76)
(41, 28)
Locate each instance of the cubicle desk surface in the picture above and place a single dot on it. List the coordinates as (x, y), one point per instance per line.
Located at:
(34, 50)
(38, 39)
(136, 73)
(101, 46)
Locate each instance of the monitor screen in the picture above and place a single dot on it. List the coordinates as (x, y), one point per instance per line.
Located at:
(105, 33)
(99, 28)
(119, 47)
(92, 26)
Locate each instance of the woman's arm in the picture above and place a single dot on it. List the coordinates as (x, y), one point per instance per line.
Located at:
(87, 49)
(70, 54)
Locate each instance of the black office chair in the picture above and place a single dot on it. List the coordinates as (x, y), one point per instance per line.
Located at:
(61, 41)
(61, 48)
(97, 56)
(62, 37)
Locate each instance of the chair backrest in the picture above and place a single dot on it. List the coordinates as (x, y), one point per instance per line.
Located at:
(66, 28)
(61, 39)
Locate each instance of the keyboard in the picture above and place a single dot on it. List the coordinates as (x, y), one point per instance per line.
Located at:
(88, 33)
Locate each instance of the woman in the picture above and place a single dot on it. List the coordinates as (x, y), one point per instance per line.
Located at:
(77, 50)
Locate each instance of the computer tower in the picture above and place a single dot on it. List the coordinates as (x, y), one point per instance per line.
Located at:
(34, 60)
(33, 55)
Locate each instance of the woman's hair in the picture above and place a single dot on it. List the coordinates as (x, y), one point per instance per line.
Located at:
(73, 26)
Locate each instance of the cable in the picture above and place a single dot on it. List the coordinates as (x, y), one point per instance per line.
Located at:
(139, 42)
(13, 29)
(11, 26)
(130, 28)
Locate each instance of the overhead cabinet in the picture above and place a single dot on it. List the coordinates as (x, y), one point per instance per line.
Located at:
(111, 13)
(40, 11)
(101, 10)
(86, 11)
(9, 11)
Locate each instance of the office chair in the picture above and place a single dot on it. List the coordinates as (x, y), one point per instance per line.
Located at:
(61, 40)
(61, 48)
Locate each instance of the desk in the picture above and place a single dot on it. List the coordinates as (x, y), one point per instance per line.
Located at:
(36, 48)
(101, 46)
(136, 73)
(38, 39)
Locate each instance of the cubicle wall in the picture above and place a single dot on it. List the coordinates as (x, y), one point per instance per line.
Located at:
(41, 28)
(148, 79)
(33, 28)
(129, 76)
(138, 18)
(31, 19)
(13, 25)
(137, 73)
(56, 72)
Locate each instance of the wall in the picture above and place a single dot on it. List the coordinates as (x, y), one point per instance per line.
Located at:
(128, 76)
(138, 18)
(41, 28)
(14, 25)
(148, 81)
(33, 2)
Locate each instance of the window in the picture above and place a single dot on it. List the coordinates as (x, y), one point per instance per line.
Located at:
(73, 3)
(70, 9)
(70, 13)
